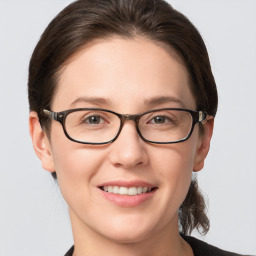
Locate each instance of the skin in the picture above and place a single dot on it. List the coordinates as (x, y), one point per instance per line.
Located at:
(126, 73)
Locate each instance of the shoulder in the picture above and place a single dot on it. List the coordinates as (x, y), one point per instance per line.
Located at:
(201, 248)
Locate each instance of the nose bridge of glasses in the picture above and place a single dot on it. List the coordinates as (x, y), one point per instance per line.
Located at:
(129, 117)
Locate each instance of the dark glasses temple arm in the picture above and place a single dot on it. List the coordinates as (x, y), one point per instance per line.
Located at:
(50, 114)
(203, 117)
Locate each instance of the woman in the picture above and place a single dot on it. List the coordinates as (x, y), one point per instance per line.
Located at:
(122, 100)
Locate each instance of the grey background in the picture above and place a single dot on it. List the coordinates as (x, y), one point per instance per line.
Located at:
(33, 216)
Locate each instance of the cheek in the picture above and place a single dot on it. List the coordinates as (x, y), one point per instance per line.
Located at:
(76, 170)
(75, 164)
(174, 166)
(174, 160)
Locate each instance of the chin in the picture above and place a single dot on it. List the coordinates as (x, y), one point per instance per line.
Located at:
(122, 237)
(129, 230)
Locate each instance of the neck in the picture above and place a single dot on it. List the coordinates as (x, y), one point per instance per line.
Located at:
(162, 243)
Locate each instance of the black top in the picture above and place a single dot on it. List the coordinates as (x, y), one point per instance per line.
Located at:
(199, 248)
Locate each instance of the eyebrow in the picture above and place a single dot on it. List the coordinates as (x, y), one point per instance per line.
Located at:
(91, 100)
(106, 102)
(163, 99)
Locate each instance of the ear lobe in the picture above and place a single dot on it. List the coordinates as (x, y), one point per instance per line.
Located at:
(204, 146)
(40, 142)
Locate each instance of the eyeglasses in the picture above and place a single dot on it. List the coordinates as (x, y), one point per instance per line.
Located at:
(97, 126)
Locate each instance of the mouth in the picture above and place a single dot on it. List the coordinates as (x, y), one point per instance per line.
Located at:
(129, 191)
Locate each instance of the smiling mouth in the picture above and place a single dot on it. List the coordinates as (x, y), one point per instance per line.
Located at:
(131, 191)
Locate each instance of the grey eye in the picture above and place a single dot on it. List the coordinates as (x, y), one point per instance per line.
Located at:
(159, 119)
(94, 120)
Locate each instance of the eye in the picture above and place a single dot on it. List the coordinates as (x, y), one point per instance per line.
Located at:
(96, 119)
(160, 120)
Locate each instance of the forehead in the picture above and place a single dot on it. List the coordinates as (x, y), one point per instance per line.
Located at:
(124, 71)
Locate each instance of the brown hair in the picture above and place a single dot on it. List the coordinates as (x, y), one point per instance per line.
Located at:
(87, 20)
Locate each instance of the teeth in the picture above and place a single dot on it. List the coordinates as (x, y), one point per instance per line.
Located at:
(115, 190)
(123, 191)
(145, 190)
(126, 191)
(139, 190)
(132, 191)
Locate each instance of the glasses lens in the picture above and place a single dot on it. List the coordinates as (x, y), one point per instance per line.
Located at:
(165, 125)
(92, 126)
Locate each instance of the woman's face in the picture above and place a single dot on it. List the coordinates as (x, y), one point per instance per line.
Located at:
(128, 76)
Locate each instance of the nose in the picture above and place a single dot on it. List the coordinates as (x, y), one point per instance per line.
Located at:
(128, 150)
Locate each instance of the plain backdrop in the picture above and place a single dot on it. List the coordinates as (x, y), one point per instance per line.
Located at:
(33, 216)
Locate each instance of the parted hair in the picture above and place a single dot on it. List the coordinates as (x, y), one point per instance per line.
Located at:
(85, 21)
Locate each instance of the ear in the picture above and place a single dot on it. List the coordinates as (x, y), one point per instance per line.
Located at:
(40, 142)
(203, 146)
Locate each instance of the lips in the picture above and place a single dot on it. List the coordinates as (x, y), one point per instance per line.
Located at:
(127, 194)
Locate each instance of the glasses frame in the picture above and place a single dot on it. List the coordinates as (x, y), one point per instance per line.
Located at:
(197, 117)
